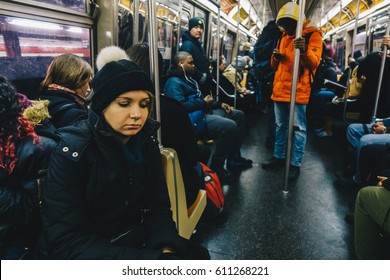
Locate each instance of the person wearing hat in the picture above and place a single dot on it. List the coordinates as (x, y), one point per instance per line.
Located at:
(233, 74)
(191, 44)
(282, 60)
(106, 195)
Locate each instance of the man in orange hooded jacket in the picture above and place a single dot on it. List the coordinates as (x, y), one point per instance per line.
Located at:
(282, 61)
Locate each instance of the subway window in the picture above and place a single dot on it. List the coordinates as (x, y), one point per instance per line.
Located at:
(77, 5)
(28, 46)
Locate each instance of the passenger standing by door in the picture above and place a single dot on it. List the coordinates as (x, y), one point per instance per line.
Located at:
(283, 61)
(192, 45)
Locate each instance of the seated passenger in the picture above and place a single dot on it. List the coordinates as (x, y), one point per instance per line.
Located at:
(224, 124)
(227, 89)
(358, 136)
(66, 86)
(106, 196)
(233, 75)
(176, 129)
(320, 97)
(372, 220)
(23, 154)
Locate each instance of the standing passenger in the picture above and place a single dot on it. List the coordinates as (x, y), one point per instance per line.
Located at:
(66, 86)
(192, 45)
(283, 61)
(106, 196)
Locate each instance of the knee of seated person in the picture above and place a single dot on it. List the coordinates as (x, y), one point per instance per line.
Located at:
(298, 128)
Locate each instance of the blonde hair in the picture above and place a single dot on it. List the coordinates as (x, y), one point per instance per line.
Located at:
(67, 70)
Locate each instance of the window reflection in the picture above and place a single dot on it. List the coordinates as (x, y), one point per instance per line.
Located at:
(27, 47)
(77, 5)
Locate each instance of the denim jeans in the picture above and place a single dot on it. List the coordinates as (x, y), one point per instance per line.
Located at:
(282, 113)
(228, 130)
(358, 138)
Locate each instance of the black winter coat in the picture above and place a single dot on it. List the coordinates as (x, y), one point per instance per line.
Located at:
(19, 210)
(64, 109)
(194, 47)
(107, 200)
(370, 67)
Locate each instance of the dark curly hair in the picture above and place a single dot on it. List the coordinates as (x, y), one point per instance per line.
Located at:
(13, 125)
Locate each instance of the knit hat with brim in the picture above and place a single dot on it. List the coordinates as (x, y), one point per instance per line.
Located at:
(195, 21)
(289, 10)
(115, 78)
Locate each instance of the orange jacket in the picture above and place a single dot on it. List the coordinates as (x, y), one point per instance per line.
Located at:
(284, 68)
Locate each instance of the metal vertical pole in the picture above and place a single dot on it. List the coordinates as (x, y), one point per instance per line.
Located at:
(352, 52)
(178, 33)
(218, 50)
(237, 41)
(381, 74)
(354, 32)
(136, 22)
(293, 93)
(153, 54)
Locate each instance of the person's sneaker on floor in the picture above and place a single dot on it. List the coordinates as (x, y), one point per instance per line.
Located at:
(294, 172)
(324, 134)
(273, 163)
(239, 163)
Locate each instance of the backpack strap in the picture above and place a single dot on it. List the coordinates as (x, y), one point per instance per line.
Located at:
(307, 40)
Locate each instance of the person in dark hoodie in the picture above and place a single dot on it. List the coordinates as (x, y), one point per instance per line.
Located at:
(224, 123)
(192, 45)
(24, 153)
(66, 86)
(106, 196)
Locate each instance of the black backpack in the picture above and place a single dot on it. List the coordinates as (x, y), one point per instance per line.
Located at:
(317, 79)
(263, 49)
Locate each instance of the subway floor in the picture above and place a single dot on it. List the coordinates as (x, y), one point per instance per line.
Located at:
(260, 221)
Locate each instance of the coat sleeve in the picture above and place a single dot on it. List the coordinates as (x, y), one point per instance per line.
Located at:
(68, 232)
(311, 59)
(174, 88)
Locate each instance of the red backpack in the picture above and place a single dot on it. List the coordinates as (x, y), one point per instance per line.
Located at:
(215, 197)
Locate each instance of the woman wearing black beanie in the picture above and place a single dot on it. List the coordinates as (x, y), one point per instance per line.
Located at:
(106, 196)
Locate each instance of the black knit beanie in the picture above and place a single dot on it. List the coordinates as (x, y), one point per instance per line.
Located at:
(195, 21)
(115, 78)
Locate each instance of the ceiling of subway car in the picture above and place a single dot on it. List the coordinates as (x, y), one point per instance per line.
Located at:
(267, 10)
(327, 14)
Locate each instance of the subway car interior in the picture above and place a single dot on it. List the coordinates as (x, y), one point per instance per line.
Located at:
(265, 215)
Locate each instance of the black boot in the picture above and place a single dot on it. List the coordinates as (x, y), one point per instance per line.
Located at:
(273, 163)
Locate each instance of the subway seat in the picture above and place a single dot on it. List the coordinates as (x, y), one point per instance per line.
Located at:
(186, 218)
